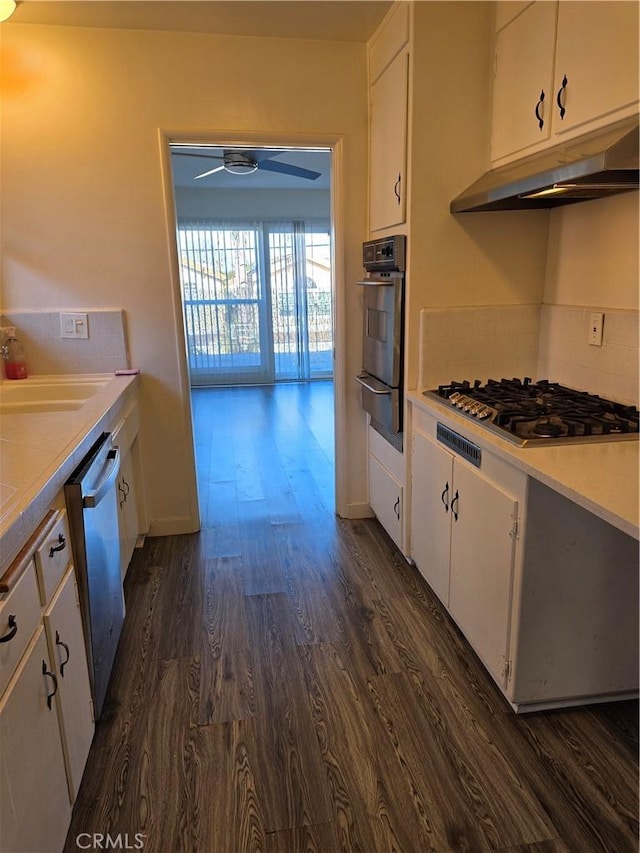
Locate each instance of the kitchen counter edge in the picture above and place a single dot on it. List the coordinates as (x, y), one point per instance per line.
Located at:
(600, 477)
(24, 513)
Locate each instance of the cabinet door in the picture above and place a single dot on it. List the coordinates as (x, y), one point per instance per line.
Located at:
(597, 50)
(482, 551)
(34, 801)
(523, 71)
(385, 498)
(387, 177)
(431, 493)
(128, 512)
(20, 612)
(67, 652)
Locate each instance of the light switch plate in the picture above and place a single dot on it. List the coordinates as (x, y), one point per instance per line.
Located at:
(74, 326)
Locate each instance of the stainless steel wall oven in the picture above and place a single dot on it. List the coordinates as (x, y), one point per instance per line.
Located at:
(383, 335)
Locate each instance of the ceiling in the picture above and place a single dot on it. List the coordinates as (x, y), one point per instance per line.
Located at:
(333, 20)
(186, 168)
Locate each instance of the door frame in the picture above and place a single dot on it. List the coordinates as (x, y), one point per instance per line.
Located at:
(220, 139)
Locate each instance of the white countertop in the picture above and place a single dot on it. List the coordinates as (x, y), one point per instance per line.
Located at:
(603, 478)
(38, 452)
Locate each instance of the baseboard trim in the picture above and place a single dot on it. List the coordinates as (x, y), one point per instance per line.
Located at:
(359, 510)
(173, 526)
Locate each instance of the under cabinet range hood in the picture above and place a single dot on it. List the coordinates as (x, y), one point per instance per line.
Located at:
(593, 167)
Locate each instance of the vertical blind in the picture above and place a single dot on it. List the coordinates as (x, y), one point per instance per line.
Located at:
(257, 300)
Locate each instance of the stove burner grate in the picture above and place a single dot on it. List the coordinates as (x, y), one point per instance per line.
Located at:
(541, 411)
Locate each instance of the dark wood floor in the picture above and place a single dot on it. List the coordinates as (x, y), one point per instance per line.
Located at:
(287, 682)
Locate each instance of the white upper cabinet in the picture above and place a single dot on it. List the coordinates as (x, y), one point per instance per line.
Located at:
(597, 51)
(388, 97)
(561, 70)
(524, 81)
(507, 10)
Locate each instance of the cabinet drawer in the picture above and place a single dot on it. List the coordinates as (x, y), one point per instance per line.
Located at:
(53, 556)
(19, 618)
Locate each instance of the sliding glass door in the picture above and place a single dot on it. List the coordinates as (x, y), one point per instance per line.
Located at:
(257, 301)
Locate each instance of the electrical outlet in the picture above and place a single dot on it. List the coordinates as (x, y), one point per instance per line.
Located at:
(596, 320)
(74, 326)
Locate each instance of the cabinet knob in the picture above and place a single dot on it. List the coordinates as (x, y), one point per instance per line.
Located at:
(62, 544)
(560, 96)
(52, 676)
(538, 110)
(444, 497)
(13, 629)
(454, 502)
(66, 648)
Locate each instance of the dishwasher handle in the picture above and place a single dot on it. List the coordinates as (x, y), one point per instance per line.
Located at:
(92, 499)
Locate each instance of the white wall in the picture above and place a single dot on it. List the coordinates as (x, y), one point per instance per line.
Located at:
(83, 196)
(592, 265)
(593, 253)
(208, 203)
(477, 259)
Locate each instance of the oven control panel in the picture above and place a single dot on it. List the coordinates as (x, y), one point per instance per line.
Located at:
(387, 253)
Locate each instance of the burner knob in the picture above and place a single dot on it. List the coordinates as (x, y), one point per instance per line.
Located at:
(454, 397)
(484, 413)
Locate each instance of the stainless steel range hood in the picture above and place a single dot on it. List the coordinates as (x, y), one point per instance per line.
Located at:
(593, 167)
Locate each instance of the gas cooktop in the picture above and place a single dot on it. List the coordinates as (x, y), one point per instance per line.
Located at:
(540, 413)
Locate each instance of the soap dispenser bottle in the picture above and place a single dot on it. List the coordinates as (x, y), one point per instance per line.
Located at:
(15, 361)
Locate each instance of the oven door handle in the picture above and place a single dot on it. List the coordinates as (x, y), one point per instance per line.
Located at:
(377, 282)
(378, 388)
(92, 499)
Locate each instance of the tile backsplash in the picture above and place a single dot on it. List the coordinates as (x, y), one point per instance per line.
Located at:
(540, 341)
(104, 351)
(565, 355)
(478, 343)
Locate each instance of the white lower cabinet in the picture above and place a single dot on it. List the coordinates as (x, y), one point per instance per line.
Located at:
(432, 481)
(483, 523)
(462, 541)
(35, 809)
(385, 499)
(127, 512)
(545, 592)
(63, 624)
(46, 713)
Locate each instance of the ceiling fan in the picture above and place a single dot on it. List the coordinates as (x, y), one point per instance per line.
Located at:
(246, 162)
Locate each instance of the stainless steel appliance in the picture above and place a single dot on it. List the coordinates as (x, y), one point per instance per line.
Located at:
(540, 413)
(383, 335)
(92, 507)
(604, 164)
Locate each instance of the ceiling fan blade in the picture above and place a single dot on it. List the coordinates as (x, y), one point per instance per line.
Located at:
(288, 169)
(210, 172)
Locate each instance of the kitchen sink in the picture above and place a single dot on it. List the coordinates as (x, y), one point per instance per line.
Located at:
(50, 394)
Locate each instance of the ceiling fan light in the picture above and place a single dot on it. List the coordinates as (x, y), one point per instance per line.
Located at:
(7, 8)
(239, 164)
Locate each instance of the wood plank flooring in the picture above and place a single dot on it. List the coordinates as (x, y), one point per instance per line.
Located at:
(287, 682)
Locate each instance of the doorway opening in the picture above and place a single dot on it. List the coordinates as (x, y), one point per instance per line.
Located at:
(253, 237)
(254, 256)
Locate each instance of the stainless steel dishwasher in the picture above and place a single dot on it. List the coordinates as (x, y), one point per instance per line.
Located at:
(92, 507)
